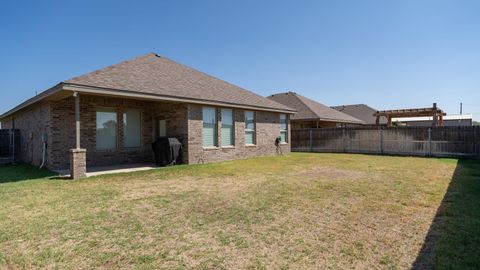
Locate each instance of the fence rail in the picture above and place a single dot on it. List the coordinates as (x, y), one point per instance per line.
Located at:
(411, 141)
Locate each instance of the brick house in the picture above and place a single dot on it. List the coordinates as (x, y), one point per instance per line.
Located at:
(112, 115)
(313, 114)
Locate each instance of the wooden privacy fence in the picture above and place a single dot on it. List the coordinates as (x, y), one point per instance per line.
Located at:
(410, 141)
(9, 145)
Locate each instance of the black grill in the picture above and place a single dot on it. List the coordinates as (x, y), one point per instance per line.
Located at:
(167, 151)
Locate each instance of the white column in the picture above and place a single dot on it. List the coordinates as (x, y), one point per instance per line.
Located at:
(77, 119)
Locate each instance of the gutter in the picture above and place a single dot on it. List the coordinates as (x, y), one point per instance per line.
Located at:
(329, 120)
(148, 96)
(131, 94)
(35, 99)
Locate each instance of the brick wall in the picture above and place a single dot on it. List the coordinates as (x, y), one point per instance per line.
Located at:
(184, 121)
(63, 129)
(267, 129)
(176, 117)
(33, 123)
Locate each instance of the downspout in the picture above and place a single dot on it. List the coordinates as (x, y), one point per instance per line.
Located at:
(44, 149)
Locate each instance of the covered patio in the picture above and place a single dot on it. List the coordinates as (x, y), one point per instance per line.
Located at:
(115, 133)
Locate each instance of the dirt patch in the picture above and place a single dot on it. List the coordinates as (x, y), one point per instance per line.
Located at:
(159, 187)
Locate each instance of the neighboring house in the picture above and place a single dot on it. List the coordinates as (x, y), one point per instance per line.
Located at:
(123, 108)
(312, 114)
(426, 121)
(362, 112)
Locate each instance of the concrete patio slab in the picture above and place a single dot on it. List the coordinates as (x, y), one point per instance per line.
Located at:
(102, 170)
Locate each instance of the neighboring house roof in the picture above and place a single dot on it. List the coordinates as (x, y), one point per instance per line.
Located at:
(362, 112)
(308, 109)
(154, 77)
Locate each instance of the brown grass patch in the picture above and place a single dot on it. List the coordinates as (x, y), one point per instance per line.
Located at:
(299, 211)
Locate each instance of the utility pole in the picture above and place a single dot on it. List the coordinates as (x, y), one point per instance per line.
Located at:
(461, 107)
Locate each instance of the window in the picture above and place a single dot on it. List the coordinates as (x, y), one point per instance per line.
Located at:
(283, 128)
(249, 127)
(106, 129)
(132, 129)
(227, 127)
(209, 132)
(162, 128)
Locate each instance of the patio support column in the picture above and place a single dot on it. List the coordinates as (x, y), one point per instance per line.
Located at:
(78, 163)
(389, 121)
(77, 120)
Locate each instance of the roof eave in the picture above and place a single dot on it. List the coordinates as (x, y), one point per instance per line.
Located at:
(147, 96)
(33, 100)
(126, 93)
(320, 118)
(330, 120)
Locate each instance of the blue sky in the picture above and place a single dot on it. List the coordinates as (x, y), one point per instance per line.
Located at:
(388, 54)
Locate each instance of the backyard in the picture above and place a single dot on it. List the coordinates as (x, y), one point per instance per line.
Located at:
(322, 211)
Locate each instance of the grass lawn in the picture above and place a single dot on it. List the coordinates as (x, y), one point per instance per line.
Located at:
(321, 211)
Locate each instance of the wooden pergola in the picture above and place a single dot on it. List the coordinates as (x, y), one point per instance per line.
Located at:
(435, 112)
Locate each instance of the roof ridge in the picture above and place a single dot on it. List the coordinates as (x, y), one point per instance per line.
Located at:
(311, 109)
(113, 65)
(213, 77)
(150, 69)
(154, 75)
(358, 104)
(345, 105)
(283, 93)
(299, 97)
(314, 101)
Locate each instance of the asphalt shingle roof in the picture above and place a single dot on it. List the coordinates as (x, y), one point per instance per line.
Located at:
(310, 109)
(153, 74)
(362, 112)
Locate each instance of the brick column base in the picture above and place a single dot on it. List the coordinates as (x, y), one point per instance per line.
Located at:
(78, 163)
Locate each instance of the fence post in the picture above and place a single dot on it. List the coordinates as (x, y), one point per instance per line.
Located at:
(381, 141)
(310, 137)
(475, 154)
(13, 146)
(429, 142)
(477, 138)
